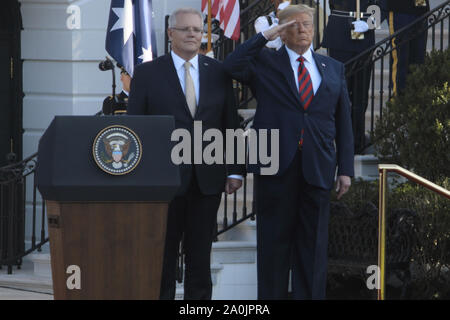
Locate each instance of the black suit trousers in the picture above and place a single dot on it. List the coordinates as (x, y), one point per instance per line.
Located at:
(292, 230)
(192, 216)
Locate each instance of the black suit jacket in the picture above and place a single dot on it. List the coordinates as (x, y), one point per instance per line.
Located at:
(156, 90)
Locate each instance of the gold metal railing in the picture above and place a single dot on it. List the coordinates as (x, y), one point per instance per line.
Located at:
(383, 170)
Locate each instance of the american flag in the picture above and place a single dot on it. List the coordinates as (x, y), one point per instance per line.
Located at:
(227, 12)
(130, 37)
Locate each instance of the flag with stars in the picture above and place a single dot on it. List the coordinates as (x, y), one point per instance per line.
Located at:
(130, 37)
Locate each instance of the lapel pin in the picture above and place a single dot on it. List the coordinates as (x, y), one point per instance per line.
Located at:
(323, 65)
(206, 64)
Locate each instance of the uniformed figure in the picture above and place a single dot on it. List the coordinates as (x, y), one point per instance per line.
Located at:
(343, 47)
(204, 46)
(400, 13)
(119, 105)
(269, 21)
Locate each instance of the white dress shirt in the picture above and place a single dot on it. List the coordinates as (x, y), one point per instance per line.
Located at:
(310, 65)
(195, 75)
(194, 71)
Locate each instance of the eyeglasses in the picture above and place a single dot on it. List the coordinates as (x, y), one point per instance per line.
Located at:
(305, 24)
(189, 29)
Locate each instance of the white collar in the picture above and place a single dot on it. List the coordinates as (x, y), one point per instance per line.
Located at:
(293, 56)
(179, 62)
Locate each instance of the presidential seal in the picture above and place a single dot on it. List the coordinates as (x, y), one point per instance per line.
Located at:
(117, 150)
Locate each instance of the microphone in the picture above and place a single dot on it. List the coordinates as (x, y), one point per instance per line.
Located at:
(106, 65)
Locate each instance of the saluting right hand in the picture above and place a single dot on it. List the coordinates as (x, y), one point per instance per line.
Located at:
(273, 33)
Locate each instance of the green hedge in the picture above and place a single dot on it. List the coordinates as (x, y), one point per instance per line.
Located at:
(414, 131)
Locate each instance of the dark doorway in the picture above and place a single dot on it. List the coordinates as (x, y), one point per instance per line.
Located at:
(11, 94)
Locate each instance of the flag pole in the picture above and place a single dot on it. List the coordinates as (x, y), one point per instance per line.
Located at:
(209, 26)
(357, 35)
(358, 10)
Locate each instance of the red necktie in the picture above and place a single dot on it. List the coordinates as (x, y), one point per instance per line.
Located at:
(305, 89)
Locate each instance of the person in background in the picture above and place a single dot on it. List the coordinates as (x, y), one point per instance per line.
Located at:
(119, 105)
(343, 45)
(264, 23)
(400, 14)
(204, 46)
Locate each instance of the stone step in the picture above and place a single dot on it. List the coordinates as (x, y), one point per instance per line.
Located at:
(34, 275)
(366, 167)
(233, 268)
(7, 293)
(229, 252)
(244, 231)
(233, 271)
(237, 279)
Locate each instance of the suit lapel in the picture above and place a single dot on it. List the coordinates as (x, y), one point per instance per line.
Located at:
(321, 65)
(286, 69)
(174, 83)
(204, 81)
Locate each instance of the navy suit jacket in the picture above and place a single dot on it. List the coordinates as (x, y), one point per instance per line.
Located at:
(328, 137)
(156, 90)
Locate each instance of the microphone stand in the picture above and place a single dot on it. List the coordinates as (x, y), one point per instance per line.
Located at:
(113, 83)
(104, 67)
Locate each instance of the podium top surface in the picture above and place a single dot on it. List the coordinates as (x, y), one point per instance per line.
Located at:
(87, 158)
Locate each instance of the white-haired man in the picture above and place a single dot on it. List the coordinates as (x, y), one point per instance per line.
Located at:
(304, 96)
(190, 87)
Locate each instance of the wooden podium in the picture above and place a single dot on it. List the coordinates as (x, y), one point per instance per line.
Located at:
(106, 231)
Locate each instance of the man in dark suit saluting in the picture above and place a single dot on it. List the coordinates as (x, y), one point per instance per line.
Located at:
(304, 96)
(190, 87)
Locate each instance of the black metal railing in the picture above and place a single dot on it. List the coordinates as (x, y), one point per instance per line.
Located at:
(376, 60)
(14, 185)
(233, 217)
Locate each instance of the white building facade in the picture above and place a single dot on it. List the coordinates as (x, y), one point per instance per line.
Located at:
(63, 42)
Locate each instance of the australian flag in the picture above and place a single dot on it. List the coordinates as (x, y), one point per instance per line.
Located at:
(130, 38)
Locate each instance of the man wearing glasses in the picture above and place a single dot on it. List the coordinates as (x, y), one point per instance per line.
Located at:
(304, 96)
(190, 87)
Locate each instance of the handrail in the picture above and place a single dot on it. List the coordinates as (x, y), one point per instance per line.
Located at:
(383, 170)
(14, 220)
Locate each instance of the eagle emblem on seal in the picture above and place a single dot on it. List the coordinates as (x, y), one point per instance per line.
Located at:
(117, 150)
